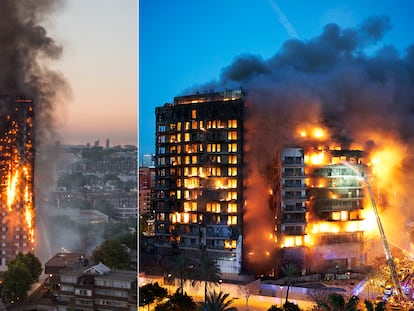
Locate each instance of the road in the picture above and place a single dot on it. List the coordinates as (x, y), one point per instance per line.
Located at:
(254, 303)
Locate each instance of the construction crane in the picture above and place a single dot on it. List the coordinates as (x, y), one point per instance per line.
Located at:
(388, 256)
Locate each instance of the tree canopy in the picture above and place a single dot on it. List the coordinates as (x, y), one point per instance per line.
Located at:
(218, 302)
(32, 263)
(113, 254)
(151, 292)
(17, 280)
(178, 302)
(207, 271)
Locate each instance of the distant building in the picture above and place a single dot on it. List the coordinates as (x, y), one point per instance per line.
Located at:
(84, 216)
(125, 204)
(147, 160)
(146, 181)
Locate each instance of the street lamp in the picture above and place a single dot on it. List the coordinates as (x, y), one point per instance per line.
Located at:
(169, 282)
(220, 281)
(281, 294)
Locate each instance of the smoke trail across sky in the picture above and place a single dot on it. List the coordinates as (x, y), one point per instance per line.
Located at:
(283, 20)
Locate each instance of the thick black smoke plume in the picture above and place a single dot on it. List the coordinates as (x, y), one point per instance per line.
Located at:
(25, 50)
(343, 79)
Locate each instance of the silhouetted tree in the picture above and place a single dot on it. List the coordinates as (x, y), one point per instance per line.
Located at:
(289, 270)
(369, 305)
(208, 272)
(320, 296)
(178, 302)
(290, 306)
(180, 268)
(380, 306)
(337, 302)
(352, 303)
(150, 292)
(218, 302)
(274, 308)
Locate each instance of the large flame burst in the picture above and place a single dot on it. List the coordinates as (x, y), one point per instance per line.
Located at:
(383, 164)
(16, 163)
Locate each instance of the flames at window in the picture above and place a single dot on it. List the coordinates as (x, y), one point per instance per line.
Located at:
(17, 167)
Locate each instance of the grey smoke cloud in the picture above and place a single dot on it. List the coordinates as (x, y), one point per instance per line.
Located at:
(25, 45)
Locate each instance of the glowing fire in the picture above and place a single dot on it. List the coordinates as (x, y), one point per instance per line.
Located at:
(17, 170)
(316, 132)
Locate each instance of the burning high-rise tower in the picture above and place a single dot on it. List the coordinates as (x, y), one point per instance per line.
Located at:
(17, 225)
(29, 93)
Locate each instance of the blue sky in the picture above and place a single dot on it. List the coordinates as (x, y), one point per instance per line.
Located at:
(186, 43)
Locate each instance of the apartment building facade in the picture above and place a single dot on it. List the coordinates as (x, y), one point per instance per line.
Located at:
(96, 288)
(198, 191)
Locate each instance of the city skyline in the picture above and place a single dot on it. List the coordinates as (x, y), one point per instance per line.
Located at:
(99, 62)
(176, 59)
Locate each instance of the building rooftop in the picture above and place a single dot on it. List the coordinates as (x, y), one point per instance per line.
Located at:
(64, 260)
(124, 275)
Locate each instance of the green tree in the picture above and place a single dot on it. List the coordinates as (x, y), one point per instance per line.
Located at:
(180, 268)
(218, 302)
(178, 302)
(208, 272)
(113, 254)
(17, 280)
(32, 263)
(289, 270)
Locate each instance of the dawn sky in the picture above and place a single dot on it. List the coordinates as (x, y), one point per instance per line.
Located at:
(183, 44)
(99, 61)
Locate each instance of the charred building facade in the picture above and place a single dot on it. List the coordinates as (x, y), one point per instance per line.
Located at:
(198, 191)
(16, 179)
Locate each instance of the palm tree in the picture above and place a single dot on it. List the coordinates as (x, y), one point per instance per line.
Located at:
(218, 302)
(208, 272)
(181, 269)
(290, 270)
